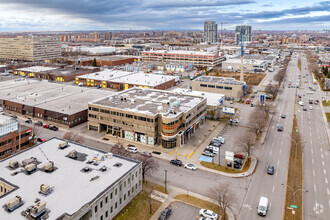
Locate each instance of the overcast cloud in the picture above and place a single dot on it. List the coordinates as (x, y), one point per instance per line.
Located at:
(57, 15)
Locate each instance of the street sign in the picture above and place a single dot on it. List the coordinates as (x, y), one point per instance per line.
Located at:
(262, 98)
(229, 156)
(293, 206)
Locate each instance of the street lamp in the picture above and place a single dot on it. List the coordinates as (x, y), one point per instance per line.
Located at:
(294, 191)
(165, 180)
(296, 144)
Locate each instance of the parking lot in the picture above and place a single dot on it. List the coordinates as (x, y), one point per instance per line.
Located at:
(182, 211)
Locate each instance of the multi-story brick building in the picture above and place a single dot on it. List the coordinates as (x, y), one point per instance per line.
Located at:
(13, 137)
(196, 58)
(30, 48)
(148, 116)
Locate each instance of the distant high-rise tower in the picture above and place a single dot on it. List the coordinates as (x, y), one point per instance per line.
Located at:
(246, 31)
(210, 32)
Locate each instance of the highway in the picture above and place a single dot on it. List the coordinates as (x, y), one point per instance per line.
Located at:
(316, 153)
(274, 151)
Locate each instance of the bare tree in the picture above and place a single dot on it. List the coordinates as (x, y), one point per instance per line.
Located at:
(223, 196)
(272, 89)
(148, 189)
(258, 120)
(75, 137)
(120, 150)
(35, 134)
(148, 165)
(247, 142)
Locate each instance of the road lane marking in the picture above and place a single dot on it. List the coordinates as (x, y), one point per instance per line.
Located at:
(313, 161)
(324, 171)
(313, 172)
(312, 150)
(311, 142)
(321, 149)
(270, 153)
(280, 151)
(276, 173)
(310, 134)
(323, 163)
(273, 188)
(328, 191)
(322, 156)
(272, 144)
(314, 187)
(319, 137)
(275, 136)
(281, 142)
(326, 180)
(278, 162)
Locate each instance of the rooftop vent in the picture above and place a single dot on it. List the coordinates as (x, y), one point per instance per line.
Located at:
(118, 165)
(104, 168)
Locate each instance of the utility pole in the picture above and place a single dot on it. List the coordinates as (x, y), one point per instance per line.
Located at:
(242, 53)
(165, 181)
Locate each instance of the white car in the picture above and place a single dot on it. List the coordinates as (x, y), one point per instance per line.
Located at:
(310, 107)
(309, 92)
(208, 214)
(214, 149)
(190, 166)
(220, 139)
(301, 103)
(132, 149)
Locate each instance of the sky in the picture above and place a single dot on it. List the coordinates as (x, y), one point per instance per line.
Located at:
(71, 15)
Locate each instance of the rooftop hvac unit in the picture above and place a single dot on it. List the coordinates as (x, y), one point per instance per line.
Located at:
(45, 189)
(86, 169)
(13, 164)
(29, 160)
(104, 168)
(48, 167)
(30, 168)
(63, 144)
(38, 209)
(13, 203)
(73, 154)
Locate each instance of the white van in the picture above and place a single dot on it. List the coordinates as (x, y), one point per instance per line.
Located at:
(263, 206)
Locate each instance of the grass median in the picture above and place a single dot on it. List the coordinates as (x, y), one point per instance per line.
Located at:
(326, 103)
(225, 169)
(328, 116)
(294, 185)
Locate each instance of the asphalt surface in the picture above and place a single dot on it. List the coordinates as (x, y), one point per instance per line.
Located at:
(183, 211)
(274, 152)
(316, 152)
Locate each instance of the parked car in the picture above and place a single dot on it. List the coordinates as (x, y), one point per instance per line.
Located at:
(146, 153)
(38, 123)
(13, 116)
(231, 102)
(46, 126)
(53, 127)
(234, 121)
(253, 96)
(208, 213)
(280, 128)
(208, 153)
(316, 102)
(190, 166)
(248, 101)
(41, 140)
(238, 155)
(238, 161)
(29, 121)
(270, 170)
(131, 149)
(176, 162)
(165, 214)
(305, 109)
(221, 139)
(214, 149)
(310, 107)
(283, 116)
(252, 104)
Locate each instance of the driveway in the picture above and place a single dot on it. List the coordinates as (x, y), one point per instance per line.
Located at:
(183, 211)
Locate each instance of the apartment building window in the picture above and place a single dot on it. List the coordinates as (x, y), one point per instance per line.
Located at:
(106, 214)
(106, 199)
(136, 186)
(133, 189)
(110, 195)
(211, 86)
(111, 209)
(228, 88)
(101, 204)
(120, 188)
(124, 197)
(95, 209)
(219, 87)
(202, 85)
(92, 116)
(128, 193)
(120, 201)
(129, 180)
(94, 109)
(124, 184)
(115, 192)
(115, 205)
(101, 218)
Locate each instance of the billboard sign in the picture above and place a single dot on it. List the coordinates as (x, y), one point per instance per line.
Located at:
(229, 156)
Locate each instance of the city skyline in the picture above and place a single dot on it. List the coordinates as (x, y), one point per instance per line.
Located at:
(56, 15)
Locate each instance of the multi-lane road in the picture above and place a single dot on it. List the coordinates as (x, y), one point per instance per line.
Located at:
(316, 151)
(274, 151)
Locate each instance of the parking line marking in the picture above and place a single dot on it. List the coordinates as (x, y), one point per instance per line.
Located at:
(173, 151)
(190, 154)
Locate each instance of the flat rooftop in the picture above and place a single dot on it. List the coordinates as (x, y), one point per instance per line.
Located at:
(150, 101)
(144, 79)
(186, 52)
(37, 69)
(112, 58)
(72, 188)
(212, 99)
(245, 61)
(62, 98)
(220, 80)
(105, 75)
(5, 120)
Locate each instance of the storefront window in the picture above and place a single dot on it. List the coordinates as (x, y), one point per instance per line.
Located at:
(169, 143)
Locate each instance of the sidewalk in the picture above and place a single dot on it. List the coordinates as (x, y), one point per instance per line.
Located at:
(174, 191)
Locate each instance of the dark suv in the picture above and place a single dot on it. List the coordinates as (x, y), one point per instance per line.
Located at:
(165, 214)
(176, 162)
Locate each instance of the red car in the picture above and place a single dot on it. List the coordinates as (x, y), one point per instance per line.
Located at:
(240, 156)
(41, 140)
(248, 101)
(46, 126)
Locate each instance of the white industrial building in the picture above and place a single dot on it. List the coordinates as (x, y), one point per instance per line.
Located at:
(65, 180)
